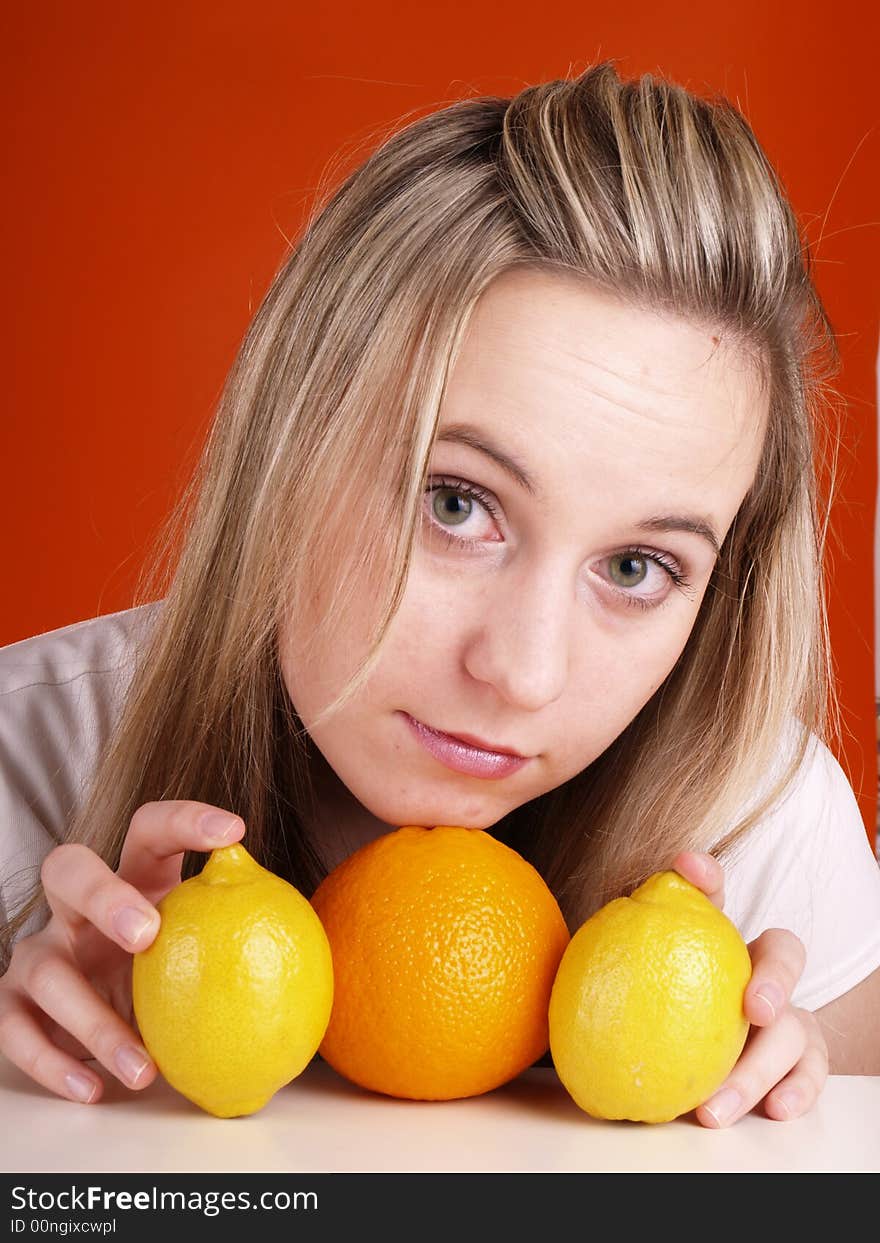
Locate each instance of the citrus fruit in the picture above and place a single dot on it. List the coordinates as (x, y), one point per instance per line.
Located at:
(646, 1013)
(233, 996)
(445, 945)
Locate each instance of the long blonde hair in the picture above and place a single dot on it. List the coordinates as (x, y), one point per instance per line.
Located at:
(330, 411)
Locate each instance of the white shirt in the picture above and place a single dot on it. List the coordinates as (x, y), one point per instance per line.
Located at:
(807, 866)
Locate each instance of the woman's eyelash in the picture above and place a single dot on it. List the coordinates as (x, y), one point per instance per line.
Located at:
(666, 563)
(471, 490)
(462, 489)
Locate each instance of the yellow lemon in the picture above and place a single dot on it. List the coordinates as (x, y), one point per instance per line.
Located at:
(234, 995)
(646, 1012)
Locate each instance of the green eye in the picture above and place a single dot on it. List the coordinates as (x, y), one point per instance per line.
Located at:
(450, 507)
(628, 570)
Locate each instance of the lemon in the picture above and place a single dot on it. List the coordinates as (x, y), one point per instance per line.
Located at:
(234, 995)
(646, 1011)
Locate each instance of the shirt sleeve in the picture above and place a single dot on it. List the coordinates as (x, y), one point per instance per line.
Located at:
(60, 694)
(808, 867)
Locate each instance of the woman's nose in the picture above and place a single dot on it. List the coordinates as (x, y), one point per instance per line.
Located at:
(520, 643)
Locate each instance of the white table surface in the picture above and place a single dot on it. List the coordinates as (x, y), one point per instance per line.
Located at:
(320, 1123)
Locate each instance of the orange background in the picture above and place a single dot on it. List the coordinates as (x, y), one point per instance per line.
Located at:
(158, 156)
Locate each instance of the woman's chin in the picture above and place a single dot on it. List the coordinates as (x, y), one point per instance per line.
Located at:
(455, 812)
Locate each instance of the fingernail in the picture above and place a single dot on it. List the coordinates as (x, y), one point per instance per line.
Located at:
(724, 1106)
(706, 866)
(771, 995)
(132, 1062)
(131, 923)
(790, 1100)
(80, 1087)
(217, 826)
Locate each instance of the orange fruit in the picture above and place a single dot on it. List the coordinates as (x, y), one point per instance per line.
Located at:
(445, 946)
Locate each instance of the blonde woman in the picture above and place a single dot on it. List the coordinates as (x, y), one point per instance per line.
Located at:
(509, 519)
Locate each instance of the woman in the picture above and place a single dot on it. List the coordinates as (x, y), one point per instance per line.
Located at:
(517, 457)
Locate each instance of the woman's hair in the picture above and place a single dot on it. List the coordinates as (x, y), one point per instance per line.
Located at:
(315, 467)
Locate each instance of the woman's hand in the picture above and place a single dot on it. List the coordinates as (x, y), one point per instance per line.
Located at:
(66, 996)
(785, 1059)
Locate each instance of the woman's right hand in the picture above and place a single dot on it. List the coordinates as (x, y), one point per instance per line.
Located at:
(66, 996)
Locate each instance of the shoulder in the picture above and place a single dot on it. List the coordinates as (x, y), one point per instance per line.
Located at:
(60, 694)
(97, 645)
(819, 788)
(808, 866)
(818, 802)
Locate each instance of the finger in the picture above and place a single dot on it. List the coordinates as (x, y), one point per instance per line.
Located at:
(778, 958)
(800, 1089)
(704, 871)
(24, 1042)
(160, 832)
(769, 1056)
(81, 890)
(63, 993)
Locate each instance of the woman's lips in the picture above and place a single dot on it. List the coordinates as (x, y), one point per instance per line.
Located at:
(463, 757)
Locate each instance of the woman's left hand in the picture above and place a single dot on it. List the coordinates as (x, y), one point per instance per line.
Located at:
(784, 1063)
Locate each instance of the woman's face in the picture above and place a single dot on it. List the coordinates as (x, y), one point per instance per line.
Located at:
(590, 460)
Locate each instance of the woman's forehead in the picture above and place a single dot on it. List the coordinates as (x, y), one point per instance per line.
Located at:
(564, 378)
(559, 327)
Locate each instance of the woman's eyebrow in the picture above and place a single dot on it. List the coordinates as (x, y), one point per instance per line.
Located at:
(466, 434)
(680, 522)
